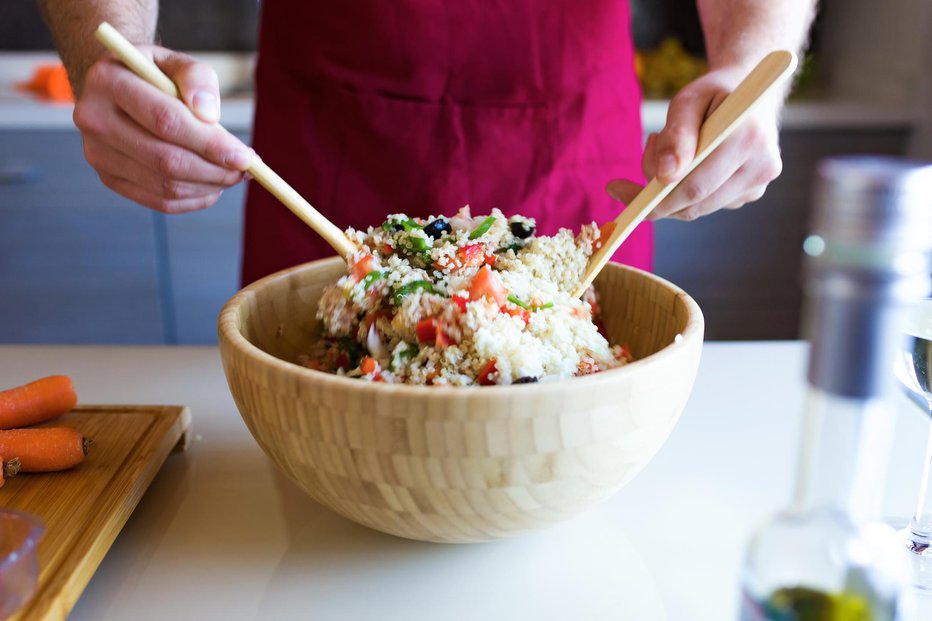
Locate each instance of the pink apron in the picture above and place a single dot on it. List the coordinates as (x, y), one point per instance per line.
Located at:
(371, 107)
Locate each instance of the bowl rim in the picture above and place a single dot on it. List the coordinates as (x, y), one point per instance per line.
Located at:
(30, 541)
(229, 333)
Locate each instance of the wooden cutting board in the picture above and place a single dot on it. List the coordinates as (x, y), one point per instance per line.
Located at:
(85, 508)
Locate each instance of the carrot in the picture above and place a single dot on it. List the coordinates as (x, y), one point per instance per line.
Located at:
(36, 402)
(8, 469)
(368, 365)
(44, 449)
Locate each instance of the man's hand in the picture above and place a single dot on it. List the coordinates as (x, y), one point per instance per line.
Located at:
(736, 173)
(153, 149)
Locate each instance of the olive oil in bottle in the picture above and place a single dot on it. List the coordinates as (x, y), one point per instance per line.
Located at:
(829, 557)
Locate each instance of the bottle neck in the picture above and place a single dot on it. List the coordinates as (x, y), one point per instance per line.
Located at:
(844, 456)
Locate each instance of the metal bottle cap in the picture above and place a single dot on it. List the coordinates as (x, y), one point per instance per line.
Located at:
(869, 255)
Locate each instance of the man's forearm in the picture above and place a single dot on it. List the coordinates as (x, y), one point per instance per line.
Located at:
(73, 24)
(738, 33)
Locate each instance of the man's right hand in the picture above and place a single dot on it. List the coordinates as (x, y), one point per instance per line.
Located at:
(154, 149)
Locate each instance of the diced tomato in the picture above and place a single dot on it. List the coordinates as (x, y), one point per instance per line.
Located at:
(605, 231)
(626, 352)
(387, 249)
(516, 311)
(460, 302)
(368, 365)
(472, 255)
(426, 330)
(485, 373)
(362, 267)
(486, 284)
(442, 339)
(490, 259)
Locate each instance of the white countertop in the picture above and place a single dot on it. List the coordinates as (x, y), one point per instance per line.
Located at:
(21, 111)
(221, 535)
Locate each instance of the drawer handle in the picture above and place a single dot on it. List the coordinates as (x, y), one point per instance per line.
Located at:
(15, 174)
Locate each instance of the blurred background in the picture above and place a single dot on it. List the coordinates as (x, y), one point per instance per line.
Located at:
(79, 264)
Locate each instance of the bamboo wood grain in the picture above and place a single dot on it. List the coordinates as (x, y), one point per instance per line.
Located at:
(269, 179)
(769, 73)
(454, 464)
(86, 507)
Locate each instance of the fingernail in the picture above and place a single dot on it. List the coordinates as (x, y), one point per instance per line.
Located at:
(240, 160)
(206, 106)
(666, 165)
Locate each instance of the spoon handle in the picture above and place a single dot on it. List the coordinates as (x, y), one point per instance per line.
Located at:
(767, 75)
(260, 171)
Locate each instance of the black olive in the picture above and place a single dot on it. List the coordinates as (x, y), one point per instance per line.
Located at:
(527, 379)
(521, 229)
(437, 228)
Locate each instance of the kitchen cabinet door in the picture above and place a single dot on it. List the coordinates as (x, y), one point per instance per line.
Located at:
(743, 267)
(203, 252)
(78, 264)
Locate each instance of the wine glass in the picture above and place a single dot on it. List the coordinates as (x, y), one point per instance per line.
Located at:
(915, 374)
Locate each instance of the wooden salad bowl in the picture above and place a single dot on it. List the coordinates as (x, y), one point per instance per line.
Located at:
(451, 464)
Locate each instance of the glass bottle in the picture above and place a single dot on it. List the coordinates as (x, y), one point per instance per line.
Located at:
(828, 556)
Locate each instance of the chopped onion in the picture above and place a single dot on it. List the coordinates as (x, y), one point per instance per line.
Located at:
(374, 343)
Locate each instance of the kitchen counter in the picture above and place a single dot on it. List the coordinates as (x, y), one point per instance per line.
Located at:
(221, 535)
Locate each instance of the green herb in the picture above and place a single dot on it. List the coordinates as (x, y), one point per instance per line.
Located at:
(409, 288)
(370, 278)
(403, 357)
(352, 350)
(516, 247)
(483, 228)
(518, 302)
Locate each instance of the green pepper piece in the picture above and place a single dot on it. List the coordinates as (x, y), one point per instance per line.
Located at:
(390, 226)
(415, 244)
(370, 278)
(526, 306)
(483, 228)
(514, 300)
(409, 288)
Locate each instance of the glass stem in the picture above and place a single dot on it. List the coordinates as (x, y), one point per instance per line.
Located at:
(921, 525)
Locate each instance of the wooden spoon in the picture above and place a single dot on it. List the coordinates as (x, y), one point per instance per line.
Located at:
(149, 71)
(764, 78)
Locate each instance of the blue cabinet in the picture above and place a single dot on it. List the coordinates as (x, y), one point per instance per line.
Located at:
(80, 264)
(203, 252)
